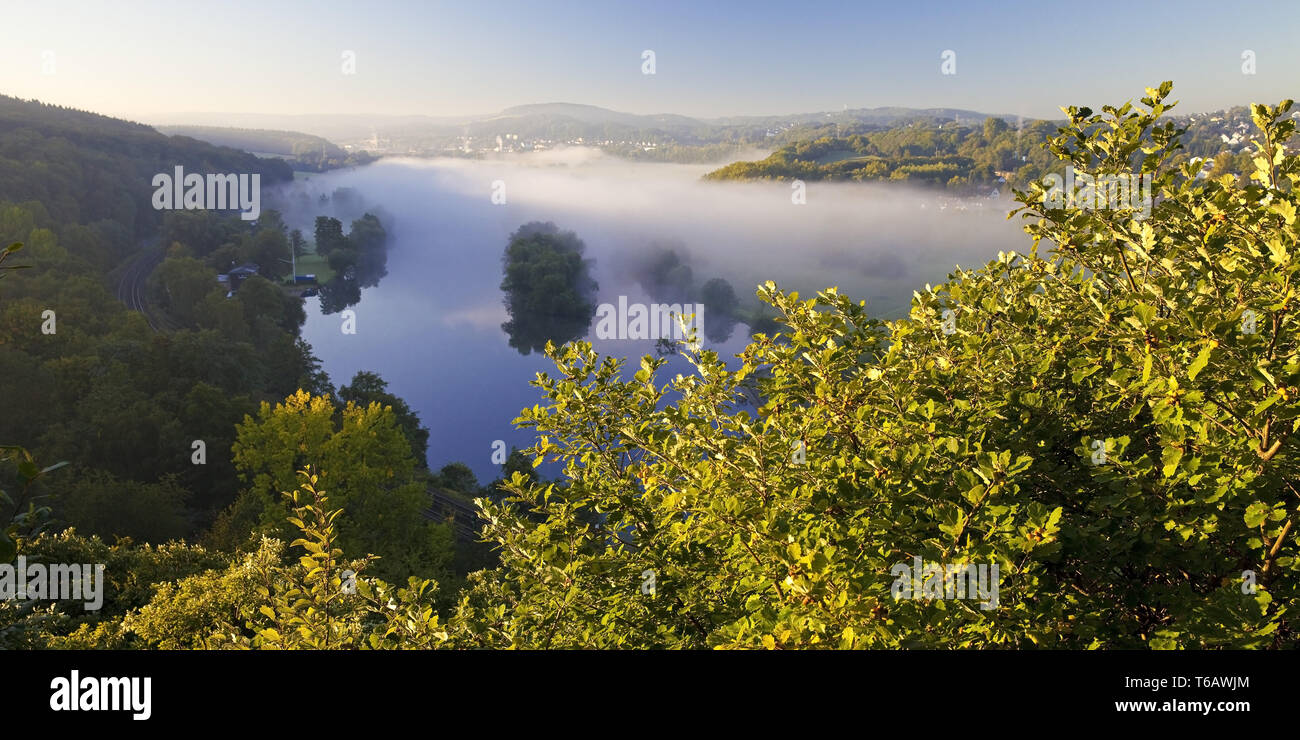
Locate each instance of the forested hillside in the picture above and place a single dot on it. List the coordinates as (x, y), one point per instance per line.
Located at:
(302, 151)
(94, 171)
(967, 160)
(144, 412)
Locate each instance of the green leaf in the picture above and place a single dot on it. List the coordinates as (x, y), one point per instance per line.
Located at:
(1171, 456)
(1145, 314)
(1256, 513)
(1284, 208)
(1199, 363)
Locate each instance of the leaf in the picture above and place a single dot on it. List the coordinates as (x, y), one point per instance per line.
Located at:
(1144, 314)
(28, 470)
(1199, 363)
(1256, 513)
(1264, 375)
(1148, 238)
(1171, 456)
(1262, 406)
(1284, 208)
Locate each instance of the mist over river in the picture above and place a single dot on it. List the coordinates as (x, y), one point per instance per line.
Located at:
(432, 325)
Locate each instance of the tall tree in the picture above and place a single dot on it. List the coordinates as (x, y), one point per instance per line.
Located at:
(367, 388)
(367, 464)
(329, 235)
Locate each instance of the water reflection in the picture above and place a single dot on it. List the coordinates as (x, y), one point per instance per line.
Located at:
(433, 326)
(549, 293)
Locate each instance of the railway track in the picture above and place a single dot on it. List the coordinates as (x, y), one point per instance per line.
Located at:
(133, 283)
(464, 517)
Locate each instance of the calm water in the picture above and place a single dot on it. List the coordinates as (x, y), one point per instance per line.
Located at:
(431, 327)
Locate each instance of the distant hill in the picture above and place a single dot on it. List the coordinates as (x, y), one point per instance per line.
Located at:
(924, 148)
(337, 128)
(556, 122)
(303, 151)
(597, 115)
(566, 121)
(86, 168)
(885, 116)
(260, 141)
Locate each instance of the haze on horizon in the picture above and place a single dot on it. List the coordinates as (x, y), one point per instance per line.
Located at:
(756, 58)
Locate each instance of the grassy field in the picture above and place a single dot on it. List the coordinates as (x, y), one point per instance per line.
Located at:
(842, 155)
(309, 264)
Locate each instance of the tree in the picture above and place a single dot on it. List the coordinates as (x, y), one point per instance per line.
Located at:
(370, 240)
(298, 243)
(27, 515)
(373, 480)
(268, 247)
(329, 235)
(5, 253)
(104, 505)
(183, 282)
(343, 261)
(518, 462)
(664, 274)
(131, 572)
(367, 234)
(993, 128)
(720, 304)
(216, 311)
(268, 311)
(548, 290)
(367, 388)
(319, 602)
(338, 294)
(458, 477)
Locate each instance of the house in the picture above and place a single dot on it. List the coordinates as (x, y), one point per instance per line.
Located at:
(239, 274)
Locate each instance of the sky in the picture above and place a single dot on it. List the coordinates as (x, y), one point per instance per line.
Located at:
(144, 58)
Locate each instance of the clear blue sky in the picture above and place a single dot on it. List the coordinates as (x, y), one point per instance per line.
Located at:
(146, 57)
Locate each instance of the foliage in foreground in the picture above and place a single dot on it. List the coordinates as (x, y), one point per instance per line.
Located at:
(319, 602)
(1112, 422)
